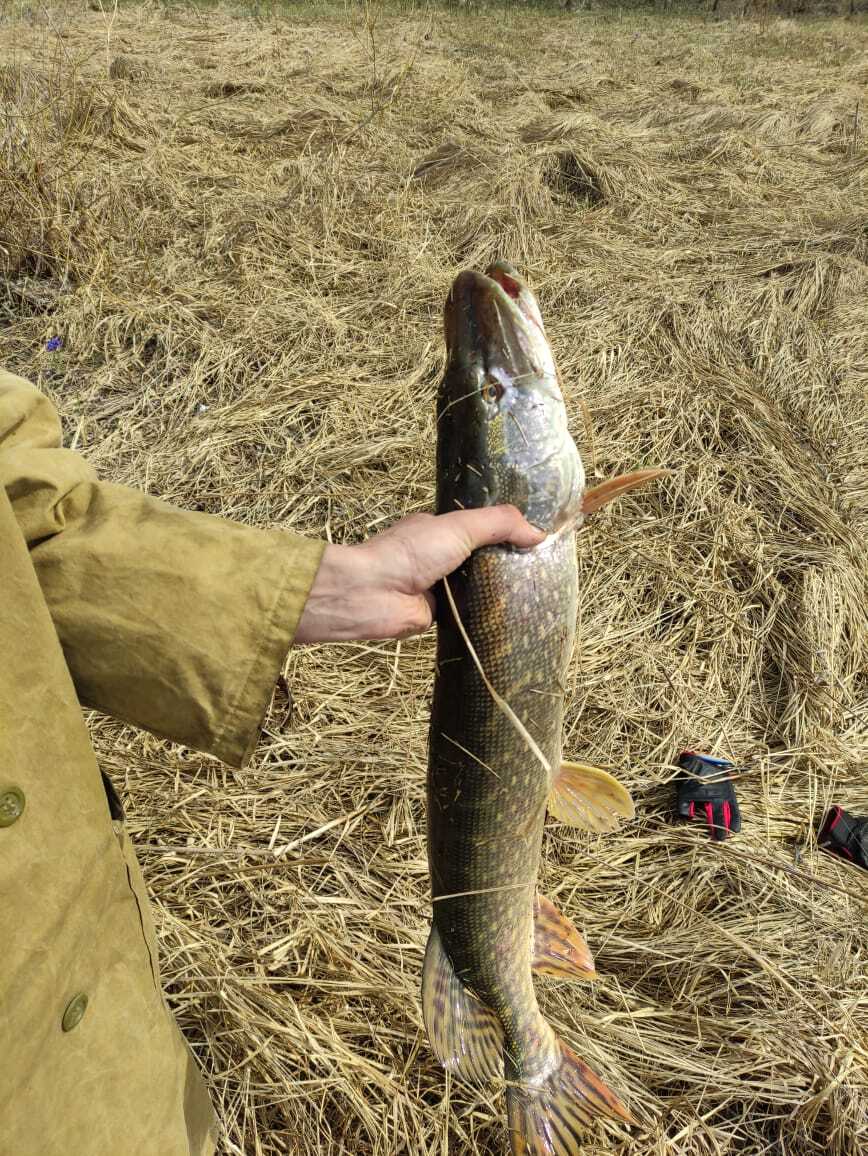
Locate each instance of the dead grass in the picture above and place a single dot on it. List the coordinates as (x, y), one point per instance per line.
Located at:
(245, 245)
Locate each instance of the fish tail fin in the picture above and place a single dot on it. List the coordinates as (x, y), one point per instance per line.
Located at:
(548, 1119)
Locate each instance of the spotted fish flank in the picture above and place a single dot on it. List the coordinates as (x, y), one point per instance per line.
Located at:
(506, 626)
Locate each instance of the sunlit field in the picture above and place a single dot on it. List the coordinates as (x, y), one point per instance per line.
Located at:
(242, 226)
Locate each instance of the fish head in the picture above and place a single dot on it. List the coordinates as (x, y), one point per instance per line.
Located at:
(501, 421)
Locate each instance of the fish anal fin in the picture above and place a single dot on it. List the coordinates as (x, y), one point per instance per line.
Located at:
(558, 947)
(600, 495)
(549, 1119)
(588, 797)
(466, 1036)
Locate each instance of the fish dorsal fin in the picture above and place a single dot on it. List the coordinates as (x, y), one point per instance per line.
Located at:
(466, 1035)
(587, 797)
(599, 496)
(558, 949)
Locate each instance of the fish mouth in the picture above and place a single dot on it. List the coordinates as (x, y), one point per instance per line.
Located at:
(494, 328)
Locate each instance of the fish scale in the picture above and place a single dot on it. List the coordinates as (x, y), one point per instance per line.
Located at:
(507, 633)
(490, 834)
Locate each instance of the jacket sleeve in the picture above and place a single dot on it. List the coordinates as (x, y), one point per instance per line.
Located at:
(177, 622)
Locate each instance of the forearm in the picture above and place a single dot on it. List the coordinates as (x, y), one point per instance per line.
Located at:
(174, 621)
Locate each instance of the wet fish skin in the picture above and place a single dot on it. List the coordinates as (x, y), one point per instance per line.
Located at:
(502, 436)
(486, 808)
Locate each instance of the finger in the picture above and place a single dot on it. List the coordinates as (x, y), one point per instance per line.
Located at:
(831, 821)
(406, 615)
(419, 616)
(434, 546)
(731, 817)
(734, 818)
(492, 526)
(720, 830)
(432, 606)
(709, 819)
(421, 549)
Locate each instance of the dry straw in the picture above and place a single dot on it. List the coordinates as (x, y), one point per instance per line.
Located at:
(243, 234)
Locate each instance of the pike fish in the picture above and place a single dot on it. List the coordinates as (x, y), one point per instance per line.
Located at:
(506, 625)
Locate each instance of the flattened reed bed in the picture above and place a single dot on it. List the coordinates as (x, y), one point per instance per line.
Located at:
(244, 233)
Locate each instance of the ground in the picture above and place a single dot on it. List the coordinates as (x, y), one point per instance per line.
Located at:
(242, 228)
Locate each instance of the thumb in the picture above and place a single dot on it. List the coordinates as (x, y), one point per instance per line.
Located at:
(491, 526)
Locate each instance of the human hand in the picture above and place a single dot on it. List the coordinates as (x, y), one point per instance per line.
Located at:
(382, 588)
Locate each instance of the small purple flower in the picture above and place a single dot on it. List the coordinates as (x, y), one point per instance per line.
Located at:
(53, 344)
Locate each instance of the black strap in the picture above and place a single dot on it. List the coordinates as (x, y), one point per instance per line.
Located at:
(115, 806)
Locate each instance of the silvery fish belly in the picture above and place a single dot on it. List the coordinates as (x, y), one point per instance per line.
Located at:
(506, 624)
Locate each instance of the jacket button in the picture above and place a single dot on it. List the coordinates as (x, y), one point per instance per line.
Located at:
(75, 1009)
(11, 805)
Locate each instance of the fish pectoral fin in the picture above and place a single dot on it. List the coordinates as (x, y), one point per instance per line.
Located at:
(587, 797)
(466, 1036)
(599, 496)
(558, 948)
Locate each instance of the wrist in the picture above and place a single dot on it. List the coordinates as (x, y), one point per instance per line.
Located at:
(358, 594)
(336, 598)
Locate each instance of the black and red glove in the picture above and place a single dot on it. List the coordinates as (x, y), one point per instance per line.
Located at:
(704, 791)
(846, 835)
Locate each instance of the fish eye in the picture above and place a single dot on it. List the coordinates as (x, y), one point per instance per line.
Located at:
(492, 391)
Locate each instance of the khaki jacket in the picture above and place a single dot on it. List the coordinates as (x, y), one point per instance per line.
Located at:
(174, 621)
